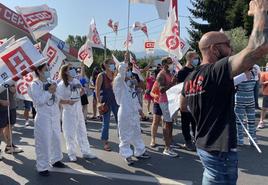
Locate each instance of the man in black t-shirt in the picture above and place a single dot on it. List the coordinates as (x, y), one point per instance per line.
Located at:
(209, 93)
(187, 119)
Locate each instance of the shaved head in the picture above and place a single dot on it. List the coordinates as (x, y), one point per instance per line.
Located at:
(212, 37)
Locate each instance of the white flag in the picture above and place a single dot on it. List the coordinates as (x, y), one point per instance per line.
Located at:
(85, 54)
(129, 41)
(55, 58)
(2, 41)
(93, 35)
(39, 19)
(140, 26)
(7, 43)
(173, 96)
(38, 46)
(17, 60)
(23, 85)
(162, 6)
(169, 40)
(116, 61)
(135, 68)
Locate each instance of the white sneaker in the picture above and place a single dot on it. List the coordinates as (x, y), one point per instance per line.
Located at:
(72, 158)
(27, 123)
(89, 156)
(170, 153)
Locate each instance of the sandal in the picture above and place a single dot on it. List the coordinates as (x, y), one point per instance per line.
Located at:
(107, 148)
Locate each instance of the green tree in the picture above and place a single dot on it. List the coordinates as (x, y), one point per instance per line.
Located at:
(238, 38)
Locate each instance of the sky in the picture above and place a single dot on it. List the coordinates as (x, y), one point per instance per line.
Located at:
(74, 17)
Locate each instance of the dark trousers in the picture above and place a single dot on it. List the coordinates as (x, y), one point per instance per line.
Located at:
(187, 120)
(256, 94)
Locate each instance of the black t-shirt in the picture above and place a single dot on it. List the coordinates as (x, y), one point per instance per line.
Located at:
(183, 73)
(209, 90)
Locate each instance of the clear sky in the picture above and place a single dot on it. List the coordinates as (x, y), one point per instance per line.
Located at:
(74, 17)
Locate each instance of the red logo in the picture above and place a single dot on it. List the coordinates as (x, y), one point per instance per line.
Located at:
(36, 17)
(22, 87)
(51, 54)
(173, 41)
(84, 54)
(17, 60)
(149, 45)
(194, 86)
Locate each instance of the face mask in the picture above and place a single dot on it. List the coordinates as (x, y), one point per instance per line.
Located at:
(129, 83)
(72, 73)
(195, 62)
(129, 74)
(47, 74)
(170, 67)
(112, 67)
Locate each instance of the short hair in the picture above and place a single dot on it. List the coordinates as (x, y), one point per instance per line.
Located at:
(190, 54)
(165, 60)
(39, 68)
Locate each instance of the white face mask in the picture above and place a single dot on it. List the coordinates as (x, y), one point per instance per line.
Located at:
(129, 83)
(128, 74)
(195, 62)
(170, 67)
(112, 67)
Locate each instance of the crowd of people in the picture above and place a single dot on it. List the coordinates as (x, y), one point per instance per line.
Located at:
(220, 93)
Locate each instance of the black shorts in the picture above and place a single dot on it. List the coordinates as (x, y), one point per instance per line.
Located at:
(84, 99)
(4, 118)
(157, 110)
(265, 101)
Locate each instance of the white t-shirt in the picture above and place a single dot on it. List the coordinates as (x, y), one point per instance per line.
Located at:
(256, 70)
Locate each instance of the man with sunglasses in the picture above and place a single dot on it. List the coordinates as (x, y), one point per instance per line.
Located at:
(209, 94)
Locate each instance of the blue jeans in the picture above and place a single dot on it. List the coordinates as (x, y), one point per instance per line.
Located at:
(220, 168)
(106, 121)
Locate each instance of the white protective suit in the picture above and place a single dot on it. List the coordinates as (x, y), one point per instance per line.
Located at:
(47, 130)
(128, 116)
(73, 122)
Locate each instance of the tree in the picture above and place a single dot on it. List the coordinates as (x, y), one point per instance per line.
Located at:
(214, 12)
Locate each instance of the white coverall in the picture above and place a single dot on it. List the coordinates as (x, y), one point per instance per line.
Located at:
(47, 130)
(128, 116)
(73, 122)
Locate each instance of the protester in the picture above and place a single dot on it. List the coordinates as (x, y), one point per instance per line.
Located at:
(245, 107)
(92, 86)
(28, 105)
(47, 131)
(257, 73)
(165, 81)
(187, 119)
(73, 121)
(150, 79)
(157, 113)
(128, 117)
(264, 83)
(7, 120)
(209, 91)
(85, 87)
(105, 97)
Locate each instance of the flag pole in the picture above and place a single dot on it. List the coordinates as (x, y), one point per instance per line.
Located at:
(9, 122)
(128, 22)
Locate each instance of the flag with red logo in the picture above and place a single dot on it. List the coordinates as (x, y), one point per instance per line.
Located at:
(113, 25)
(140, 26)
(23, 85)
(55, 58)
(93, 35)
(170, 41)
(2, 41)
(129, 41)
(17, 60)
(85, 54)
(136, 68)
(117, 63)
(39, 19)
(162, 6)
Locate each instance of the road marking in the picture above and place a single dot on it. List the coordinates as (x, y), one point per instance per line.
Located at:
(122, 176)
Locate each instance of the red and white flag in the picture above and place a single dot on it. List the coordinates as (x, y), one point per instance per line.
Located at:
(140, 26)
(136, 68)
(169, 40)
(93, 35)
(23, 85)
(113, 25)
(117, 63)
(129, 41)
(2, 41)
(39, 19)
(85, 54)
(55, 58)
(162, 6)
(17, 60)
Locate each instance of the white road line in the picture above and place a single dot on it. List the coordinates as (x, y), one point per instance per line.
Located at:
(122, 176)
